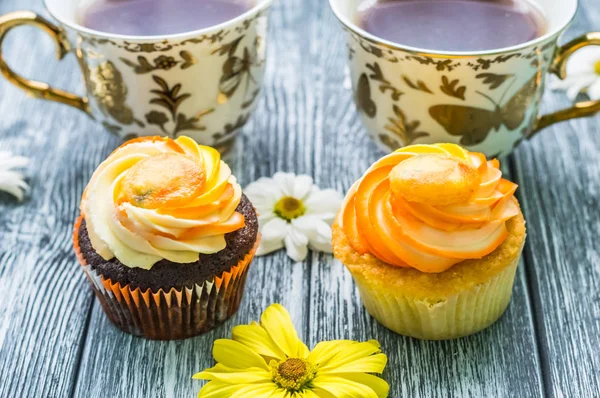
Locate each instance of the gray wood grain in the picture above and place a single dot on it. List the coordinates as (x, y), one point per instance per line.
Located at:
(45, 298)
(559, 177)
(56, 342)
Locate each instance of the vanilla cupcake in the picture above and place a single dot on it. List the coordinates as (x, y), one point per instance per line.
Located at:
(166, 238)
(432, 235)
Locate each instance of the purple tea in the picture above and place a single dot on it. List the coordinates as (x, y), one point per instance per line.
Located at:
(159, 17)
(454, 25)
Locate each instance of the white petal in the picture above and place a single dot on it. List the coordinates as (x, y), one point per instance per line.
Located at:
(264, 212)
(285, 182)
(594, 90)
(322, 241)
(563, 84)
(268, 247)
(583, 60)
(573, 84)
(13, 183)
(317, 231)
(8, 161)
(325, 204)
(578, 86)
(303, 186)
(305, 225)
(262, 205)
(296, 244)
(265, 217)
(13, 190)
(263, 193)
(274, 230)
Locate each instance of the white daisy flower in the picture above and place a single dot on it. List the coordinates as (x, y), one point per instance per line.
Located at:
(583, 74)
(12, 181)
(293, 212)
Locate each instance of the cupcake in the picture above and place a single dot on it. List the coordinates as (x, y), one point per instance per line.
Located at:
(166, 238)
(432, 235)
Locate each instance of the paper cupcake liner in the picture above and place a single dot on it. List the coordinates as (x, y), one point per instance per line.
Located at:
(177, 314)
(456, 316)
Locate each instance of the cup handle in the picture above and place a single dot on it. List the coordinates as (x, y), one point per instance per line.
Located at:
(559, 68)
(33, 88)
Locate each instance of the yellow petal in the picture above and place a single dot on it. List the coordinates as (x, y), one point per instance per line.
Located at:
(319, 392)
(220, 368)
(377, 384)
(371, 364)
(215, 389)
(311, 394)
(236, 355)
(297, 394)
(258, 340)
(235, 376)
(255, 390)
(280, 393)
(340, 387)
(278, 324)
(326, 350)
(349, 353)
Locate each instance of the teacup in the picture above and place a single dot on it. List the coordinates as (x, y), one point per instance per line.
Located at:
(203, 84)
(485, 100)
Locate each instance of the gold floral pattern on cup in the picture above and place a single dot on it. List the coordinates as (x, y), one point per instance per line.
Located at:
(204, 84)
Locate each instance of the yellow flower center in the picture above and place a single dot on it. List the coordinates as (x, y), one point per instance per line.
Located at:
(289, 208)
(292, 373)
(597, 67)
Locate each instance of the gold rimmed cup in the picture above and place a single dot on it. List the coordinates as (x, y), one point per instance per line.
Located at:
(487, 101)
(203, 84)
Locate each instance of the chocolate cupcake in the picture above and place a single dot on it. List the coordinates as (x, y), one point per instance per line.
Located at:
(166, 238)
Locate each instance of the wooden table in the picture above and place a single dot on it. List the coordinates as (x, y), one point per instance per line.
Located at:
(56, 342)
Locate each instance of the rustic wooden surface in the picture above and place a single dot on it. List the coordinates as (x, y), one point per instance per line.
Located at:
(56, 342)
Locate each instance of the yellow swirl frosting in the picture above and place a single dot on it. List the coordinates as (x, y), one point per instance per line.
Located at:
(157, 198)
(429, 207)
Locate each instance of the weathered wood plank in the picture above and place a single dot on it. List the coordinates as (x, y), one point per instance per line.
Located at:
(305, 123)
(273, 140)
(559, 177)
(45, 298)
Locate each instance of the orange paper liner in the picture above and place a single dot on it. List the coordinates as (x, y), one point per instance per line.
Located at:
(177, 314)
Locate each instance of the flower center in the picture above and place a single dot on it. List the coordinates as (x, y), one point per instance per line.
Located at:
(289, 208)
(292, 373)
(597, 67)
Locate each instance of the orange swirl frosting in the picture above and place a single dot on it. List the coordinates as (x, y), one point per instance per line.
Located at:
(156, 198)
(429, 207)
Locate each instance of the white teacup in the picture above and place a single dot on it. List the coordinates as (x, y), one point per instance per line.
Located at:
(203, 84)
(485, 100)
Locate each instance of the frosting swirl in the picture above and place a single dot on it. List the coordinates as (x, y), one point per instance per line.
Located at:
(156, 198)
(429, 207)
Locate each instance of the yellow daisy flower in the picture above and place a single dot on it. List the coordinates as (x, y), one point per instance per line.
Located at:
(267, 359)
